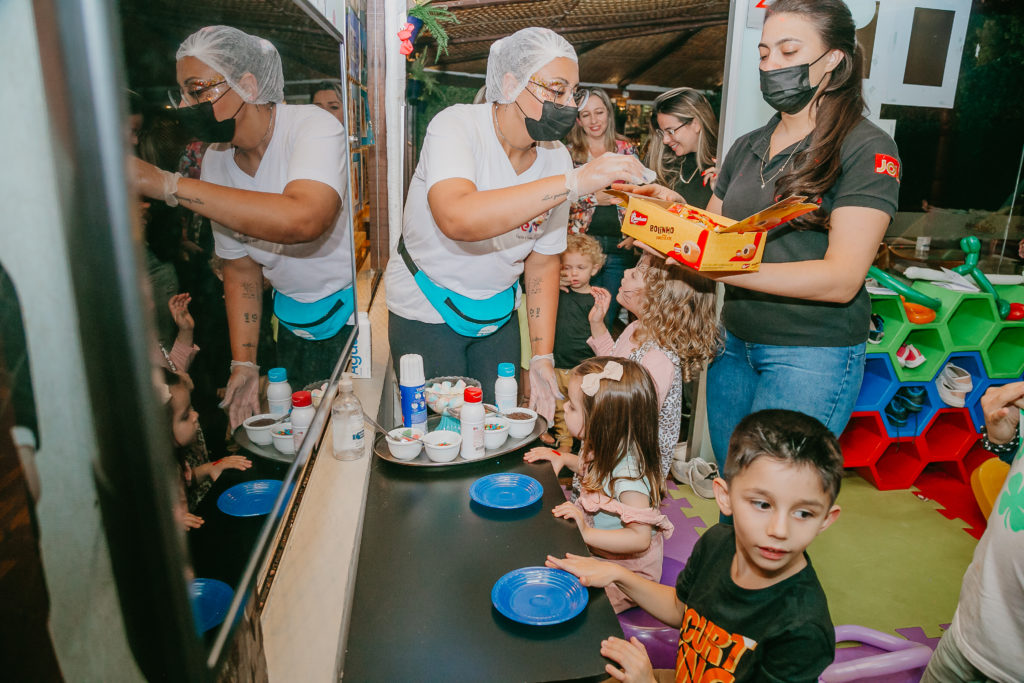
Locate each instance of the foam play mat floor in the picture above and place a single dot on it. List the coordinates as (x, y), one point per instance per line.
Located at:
(892, 562)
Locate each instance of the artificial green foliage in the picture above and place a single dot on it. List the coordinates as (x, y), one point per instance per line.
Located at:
(433, 16)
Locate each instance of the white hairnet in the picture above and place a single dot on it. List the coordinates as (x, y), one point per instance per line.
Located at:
(522, 54)
(234, 53)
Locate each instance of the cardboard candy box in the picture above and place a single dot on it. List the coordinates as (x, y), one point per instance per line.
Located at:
(700, 239)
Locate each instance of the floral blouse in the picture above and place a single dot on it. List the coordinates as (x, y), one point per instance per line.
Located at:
(582, 210)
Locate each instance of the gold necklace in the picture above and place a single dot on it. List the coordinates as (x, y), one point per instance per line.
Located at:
(501, 135)
(696, 168)
(270, 127)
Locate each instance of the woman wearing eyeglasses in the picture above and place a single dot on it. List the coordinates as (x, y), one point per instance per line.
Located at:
(487, 204)
(593, 135)
(272, 186)
(684, 141)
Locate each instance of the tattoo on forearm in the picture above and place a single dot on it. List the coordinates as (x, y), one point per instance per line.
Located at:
(194, 201)
(533, 285)
(250, 290)
(250, 317)
(534, 340)
(248, 345)
(558, 195)
(533, 312)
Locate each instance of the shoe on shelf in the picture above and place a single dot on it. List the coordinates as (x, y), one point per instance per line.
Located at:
(909, 357)
(956, 377)
(876, 330)
(954, 398)
(911, 397)
(896, 411)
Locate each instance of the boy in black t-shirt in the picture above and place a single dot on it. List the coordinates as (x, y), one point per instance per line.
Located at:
(748, 602)
(581, 260)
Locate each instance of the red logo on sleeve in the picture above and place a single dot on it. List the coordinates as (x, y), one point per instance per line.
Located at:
(886, 165)
(637, 218)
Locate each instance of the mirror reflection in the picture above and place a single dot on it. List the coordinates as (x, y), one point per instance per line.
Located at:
(241, 162)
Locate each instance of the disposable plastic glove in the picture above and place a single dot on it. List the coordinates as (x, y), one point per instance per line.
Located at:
(601, 172)
(544, 386)
(241, 397)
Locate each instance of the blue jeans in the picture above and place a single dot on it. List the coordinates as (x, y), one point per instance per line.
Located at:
(610, 276)
(821, 381)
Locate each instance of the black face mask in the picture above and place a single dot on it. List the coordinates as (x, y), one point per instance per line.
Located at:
(554, 122)
(789, 89)
(200, 122)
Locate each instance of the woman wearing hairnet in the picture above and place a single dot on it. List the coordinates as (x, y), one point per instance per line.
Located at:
(487, 204)
(272, 186)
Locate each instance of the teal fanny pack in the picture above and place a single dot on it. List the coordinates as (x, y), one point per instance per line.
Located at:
(465, 316)
(316, 320)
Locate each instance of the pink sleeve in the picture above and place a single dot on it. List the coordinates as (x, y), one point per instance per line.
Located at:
(182, 354)
(662, 371)
(603, 345)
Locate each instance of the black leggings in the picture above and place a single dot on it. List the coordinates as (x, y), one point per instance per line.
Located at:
(446, 352)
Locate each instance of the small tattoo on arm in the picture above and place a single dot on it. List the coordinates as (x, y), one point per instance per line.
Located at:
(248, 345)
(534, 312)
(533, 286)
(558, 195)
(250, 290)
(195, 201)
(250, 317)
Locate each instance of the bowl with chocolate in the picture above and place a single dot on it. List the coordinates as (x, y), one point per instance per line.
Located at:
(520, 422)
(257, 428)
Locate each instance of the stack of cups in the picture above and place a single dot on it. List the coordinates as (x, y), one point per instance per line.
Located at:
(410, 388)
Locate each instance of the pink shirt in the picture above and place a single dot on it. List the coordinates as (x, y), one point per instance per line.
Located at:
(657, 363)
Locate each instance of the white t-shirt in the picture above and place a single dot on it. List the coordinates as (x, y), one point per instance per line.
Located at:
(307, 144)
(461, 143)
(988, 626)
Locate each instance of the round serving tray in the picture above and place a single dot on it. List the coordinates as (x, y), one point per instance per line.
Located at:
(380, 447)
(268, 451)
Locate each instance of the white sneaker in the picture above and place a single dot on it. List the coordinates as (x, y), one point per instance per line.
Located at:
(698, 474)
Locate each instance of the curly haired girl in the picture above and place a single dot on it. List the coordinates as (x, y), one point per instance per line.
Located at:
(676, 333)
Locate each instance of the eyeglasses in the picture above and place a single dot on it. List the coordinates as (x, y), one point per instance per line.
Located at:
(671, 131)
(199, 92)
(561, 96)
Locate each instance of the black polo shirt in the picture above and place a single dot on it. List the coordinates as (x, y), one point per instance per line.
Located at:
(869, 178)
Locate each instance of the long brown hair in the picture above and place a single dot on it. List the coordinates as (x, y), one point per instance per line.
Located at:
(576, 140)
(840, 106)
(685, 104)
(621, 417)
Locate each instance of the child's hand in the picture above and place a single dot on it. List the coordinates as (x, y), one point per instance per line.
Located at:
(232, 462)
(568, 510)
(602, 300)
(192, 521)
(563, 279)
(591, 571)
(631, 656)
(540, 454)
(179, 311)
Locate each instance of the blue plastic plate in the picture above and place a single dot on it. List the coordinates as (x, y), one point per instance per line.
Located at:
(250, 498)
(539, 596)
(506, 490)
(210, 601)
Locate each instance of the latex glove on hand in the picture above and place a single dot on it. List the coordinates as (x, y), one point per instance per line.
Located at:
(544, 386)
(606, 169)
(154, 182)
(241, 397)
(652, 190)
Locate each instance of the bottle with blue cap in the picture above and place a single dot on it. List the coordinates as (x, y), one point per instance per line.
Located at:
(506, 389)
(279, 392)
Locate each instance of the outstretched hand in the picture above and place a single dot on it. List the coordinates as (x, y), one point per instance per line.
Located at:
(632, 656)
(653, 190)
(602, 301)
(178, 305)
(592, 572)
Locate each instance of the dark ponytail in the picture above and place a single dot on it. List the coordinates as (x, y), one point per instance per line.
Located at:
(840, 106)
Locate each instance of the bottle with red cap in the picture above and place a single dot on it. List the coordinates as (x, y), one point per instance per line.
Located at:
(302, 416)
(471, 419)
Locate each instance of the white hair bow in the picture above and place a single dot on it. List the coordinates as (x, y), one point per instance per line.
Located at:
(592, 381)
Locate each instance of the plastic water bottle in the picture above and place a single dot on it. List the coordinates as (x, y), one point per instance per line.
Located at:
(410, 388)
(506, 390)
(302, 416)
(279, 392)
(471, 421)
(347, 422)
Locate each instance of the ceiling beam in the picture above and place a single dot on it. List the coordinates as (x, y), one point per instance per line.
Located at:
(591, 44)
(701, 22)
(473, 4)
(672, 47)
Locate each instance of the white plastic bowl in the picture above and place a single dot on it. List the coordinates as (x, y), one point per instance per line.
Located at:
(281, 434)
(400, 448)
(260, 434)
(495, 432)
(447, 452)
(517, 428)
